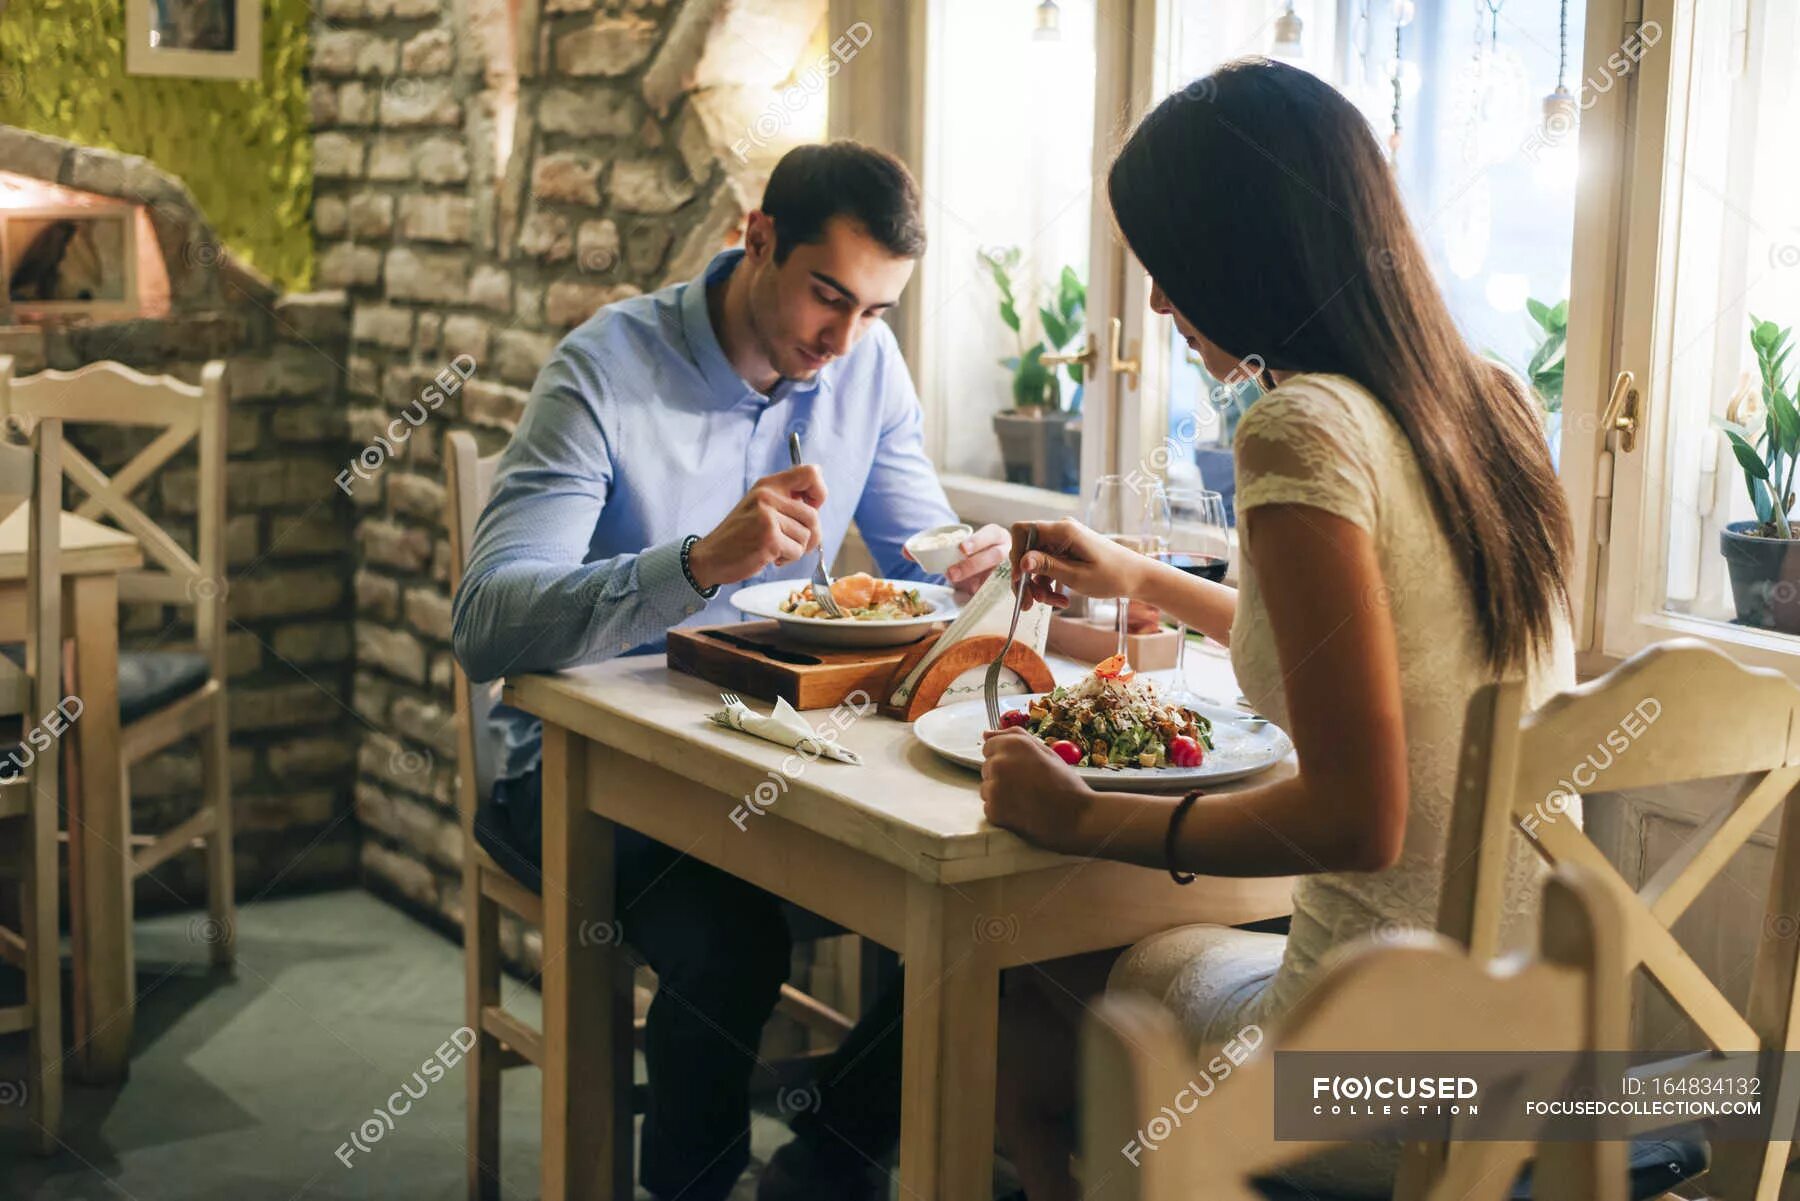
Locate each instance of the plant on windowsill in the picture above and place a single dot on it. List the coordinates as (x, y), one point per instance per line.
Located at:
(1040, 439)
(1762, 554)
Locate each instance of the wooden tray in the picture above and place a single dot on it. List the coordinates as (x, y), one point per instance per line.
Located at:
(839, 673)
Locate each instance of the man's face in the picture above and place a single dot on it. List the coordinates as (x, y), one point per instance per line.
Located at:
(818, 303)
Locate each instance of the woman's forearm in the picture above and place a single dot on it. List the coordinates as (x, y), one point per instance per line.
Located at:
(1201, 604)
(1279, 829)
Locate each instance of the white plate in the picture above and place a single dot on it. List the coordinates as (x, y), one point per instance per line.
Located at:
(764, 600)
(954, 731)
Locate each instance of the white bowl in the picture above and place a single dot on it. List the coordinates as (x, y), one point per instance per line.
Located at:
(764, 600)
(937, 559)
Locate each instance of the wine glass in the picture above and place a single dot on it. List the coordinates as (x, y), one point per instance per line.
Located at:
(1200, 545)
(1134, 512)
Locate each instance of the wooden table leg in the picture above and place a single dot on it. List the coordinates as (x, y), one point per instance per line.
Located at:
(951, 1032)
(103, 910)
(586, 991)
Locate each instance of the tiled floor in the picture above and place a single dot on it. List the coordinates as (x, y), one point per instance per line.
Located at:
(244, 1089)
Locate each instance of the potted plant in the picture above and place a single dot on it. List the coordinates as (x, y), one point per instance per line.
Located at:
(1040, 439)
(1544, 374)
(1761, 554)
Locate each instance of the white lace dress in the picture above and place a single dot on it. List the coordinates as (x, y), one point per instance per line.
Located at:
(1325, 442)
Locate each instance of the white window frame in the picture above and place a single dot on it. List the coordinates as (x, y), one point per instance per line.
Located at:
(1620, 320)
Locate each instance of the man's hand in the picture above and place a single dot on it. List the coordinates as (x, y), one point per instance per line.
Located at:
(776, 522)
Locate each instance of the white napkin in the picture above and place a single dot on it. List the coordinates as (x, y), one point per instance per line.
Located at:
(786, 727)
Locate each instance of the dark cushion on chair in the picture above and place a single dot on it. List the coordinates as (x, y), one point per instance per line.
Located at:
(148, 680)
(1657, 1165)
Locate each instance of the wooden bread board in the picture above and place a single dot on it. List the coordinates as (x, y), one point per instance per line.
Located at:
(842, 671)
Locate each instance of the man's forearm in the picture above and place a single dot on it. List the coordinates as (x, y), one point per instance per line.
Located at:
(538, 616)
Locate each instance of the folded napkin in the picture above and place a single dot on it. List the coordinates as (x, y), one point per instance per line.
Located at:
(787, 727)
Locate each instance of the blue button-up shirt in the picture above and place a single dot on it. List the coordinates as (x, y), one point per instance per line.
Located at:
(638, 433)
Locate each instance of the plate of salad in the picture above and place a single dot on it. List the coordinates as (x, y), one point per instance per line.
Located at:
(1120, 732)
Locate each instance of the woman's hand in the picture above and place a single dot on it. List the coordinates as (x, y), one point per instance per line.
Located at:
(1025, 788)
(1070, 555)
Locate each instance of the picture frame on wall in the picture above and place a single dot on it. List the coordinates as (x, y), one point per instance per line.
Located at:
(70, 261)
(199, 39)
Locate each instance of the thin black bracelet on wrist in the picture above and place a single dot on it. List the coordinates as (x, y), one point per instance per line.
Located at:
(687, 548)
(1181, 808)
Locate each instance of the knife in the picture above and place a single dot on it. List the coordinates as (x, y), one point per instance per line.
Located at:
(776, 653)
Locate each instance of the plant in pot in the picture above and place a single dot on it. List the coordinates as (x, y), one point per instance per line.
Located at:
(1544, 373)
(1040, 439)
(1762, 554)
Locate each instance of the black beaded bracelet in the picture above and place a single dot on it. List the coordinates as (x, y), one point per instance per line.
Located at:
(1181, 808)
(687, 548)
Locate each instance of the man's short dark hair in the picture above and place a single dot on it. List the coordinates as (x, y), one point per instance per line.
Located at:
(813, 184)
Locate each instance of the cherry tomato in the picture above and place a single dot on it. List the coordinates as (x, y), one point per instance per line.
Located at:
(1184, 751)
(1013, 717)
(1067, 751)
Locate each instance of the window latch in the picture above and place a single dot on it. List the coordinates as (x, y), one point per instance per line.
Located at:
(1623, 410)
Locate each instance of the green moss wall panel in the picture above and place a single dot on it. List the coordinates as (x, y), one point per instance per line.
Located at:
(242, 146)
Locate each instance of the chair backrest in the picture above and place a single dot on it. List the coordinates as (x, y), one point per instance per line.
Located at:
(468, 479)
(1712, 718)
(1421, 993)
(30, 496)
(109, 393)
(1676, 712)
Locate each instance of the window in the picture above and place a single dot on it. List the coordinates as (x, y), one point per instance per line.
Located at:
(1722, 249)
(1490, 187)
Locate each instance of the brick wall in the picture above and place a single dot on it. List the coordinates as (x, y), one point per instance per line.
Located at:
(621, 176)
(289, 532)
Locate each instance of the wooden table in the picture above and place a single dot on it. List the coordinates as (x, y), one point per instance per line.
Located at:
(91, 556)
(895, 849)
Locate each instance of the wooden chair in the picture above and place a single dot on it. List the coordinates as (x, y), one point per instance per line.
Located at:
(502, 1039)
(169, 693)
(1716, 718)
(1416, 994)
(32, 695)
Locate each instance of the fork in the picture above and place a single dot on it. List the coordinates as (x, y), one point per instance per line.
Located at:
(990, 687)
(731, 699)
(826, 601)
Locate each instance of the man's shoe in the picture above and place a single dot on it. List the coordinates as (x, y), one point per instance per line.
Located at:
(801, 1171)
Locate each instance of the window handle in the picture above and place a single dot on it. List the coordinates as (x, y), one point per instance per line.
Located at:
(1623, 412)
(1085, 357)
(1121, 366)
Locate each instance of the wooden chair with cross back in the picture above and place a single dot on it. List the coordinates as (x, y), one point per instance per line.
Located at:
(1418, 994)
(172, 691)
(502, 1039)
(1677, 712)
(31, 696)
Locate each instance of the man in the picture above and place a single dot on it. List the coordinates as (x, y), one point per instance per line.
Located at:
(648, 479)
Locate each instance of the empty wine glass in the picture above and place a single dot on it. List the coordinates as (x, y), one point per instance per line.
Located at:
(1199, 544)
(1134, 512)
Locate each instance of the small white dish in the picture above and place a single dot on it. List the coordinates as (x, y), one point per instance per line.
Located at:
(937, 548)
(764, 600)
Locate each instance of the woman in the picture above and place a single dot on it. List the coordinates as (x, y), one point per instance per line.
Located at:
(1403, 542)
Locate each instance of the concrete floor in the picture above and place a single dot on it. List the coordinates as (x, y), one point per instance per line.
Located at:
(243, 1087)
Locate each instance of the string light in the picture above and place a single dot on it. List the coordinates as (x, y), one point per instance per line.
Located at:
(1288, 27)
(1394, 137)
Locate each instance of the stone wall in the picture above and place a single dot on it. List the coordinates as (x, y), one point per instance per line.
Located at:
(288, 529)
(621, 118)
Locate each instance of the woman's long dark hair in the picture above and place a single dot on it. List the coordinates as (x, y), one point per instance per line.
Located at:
(1258, 199)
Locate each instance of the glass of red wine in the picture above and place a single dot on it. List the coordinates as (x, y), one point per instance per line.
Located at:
(1200, 545)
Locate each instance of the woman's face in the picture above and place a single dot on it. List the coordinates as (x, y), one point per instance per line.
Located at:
(1220, 365)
